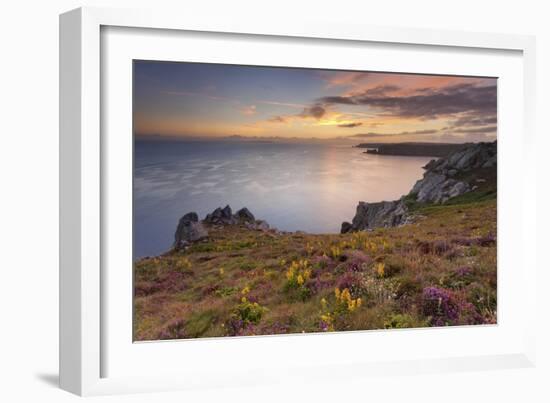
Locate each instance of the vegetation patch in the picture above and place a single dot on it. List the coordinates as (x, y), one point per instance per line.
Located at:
(439, 270)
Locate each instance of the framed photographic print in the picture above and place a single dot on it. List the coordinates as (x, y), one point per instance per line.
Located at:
(238, 199)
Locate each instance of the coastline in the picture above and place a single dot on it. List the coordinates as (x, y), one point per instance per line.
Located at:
(236, 276)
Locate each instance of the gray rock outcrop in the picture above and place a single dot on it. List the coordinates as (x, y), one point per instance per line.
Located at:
(189, 230)
(440, 184)
(259, 225)
(224, 216)
(221, 216)
(438, 188)
(244, 215)
(373, 215)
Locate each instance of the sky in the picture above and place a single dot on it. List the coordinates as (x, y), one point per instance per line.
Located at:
(217, 100)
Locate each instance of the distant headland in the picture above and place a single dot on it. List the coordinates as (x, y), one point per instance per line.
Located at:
(413, 148)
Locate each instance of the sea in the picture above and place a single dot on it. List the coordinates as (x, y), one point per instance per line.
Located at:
(307, 186)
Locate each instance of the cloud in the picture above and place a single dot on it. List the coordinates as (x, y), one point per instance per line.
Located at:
(487, 133)
(288, 104)
(277, 119)
(382, 90)
(487, 129)
(350, 125)
(343, 78)
(405, 133)
(316, 111)
(248, 110)
(446, 101)
(474, 120)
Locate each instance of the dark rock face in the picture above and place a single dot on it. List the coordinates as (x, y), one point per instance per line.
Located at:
(221, 216)
(244, 215)
(439, 185)
(374, 215)
(346, 227)
(189, 230)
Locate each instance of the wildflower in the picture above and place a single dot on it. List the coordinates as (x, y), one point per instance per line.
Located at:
(440, 304)
(298, 273)
(335, 251)
(300, 279)
(245, 290)
(380, 269)
(345, 300)
(222, 271)
(290, 274)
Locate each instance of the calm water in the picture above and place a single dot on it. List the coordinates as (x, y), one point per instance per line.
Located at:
(308, 187)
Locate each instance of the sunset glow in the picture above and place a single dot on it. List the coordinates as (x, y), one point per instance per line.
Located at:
(213, 100)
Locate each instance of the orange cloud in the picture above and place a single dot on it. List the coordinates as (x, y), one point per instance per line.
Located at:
(248, 110)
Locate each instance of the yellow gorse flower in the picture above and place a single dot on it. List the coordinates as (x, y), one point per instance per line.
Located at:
(300, 279)
(343, 298)
(335, 252)
(380, 269)
(299, 271)
(344, 304)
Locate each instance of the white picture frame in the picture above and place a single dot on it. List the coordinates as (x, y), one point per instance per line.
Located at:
(83, 173)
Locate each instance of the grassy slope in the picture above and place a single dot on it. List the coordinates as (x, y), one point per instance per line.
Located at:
(440, 270)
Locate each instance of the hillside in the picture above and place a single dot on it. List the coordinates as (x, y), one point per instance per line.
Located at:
(440, 270)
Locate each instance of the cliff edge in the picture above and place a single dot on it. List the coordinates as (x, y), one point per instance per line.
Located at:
(465, 170)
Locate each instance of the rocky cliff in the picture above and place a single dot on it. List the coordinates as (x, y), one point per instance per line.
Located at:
(373, 215)
(445, 178)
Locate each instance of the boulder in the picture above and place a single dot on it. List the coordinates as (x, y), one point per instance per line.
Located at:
(346, 227)
(244, 215)
(258, 225)
(189, 230)
(221, 216)
(262, 225)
